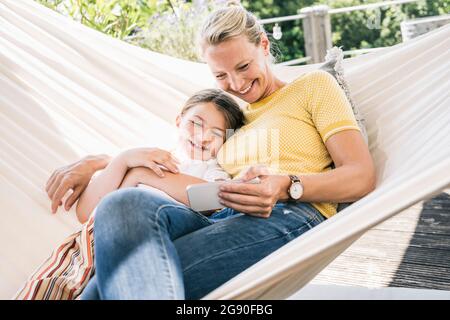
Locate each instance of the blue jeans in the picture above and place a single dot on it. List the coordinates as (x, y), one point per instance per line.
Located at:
(148, 246)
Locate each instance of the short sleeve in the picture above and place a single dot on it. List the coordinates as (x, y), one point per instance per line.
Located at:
(215, 173)
(330, 109)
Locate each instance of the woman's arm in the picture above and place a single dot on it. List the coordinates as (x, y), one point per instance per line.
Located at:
(172, 184)
(75, 176)
(353, 178)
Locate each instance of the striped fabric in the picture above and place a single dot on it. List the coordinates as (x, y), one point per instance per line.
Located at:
(65, 274)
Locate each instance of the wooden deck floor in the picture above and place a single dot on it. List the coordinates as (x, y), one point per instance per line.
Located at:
(410, 250)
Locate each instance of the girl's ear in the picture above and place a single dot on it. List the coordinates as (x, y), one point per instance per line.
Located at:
(178, 121)
(265, 44)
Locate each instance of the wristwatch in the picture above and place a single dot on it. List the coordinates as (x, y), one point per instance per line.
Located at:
(295, 191)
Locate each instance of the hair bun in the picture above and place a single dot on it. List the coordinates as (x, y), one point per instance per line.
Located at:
(234, 3)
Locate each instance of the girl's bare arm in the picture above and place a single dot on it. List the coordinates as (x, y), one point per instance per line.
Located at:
(172, 184)
(111, 177)
(105, 182)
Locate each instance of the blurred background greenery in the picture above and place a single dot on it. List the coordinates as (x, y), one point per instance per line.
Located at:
(170, 27)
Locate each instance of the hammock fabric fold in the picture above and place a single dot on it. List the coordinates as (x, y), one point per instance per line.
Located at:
(67, 91)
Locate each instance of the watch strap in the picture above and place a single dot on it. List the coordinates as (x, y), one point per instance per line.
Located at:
(294, 178)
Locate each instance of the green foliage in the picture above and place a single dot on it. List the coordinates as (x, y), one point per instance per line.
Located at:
(117, 18)
(171, 26)
(174, 32)
(353, 30)
(291, 45)
(377, 27)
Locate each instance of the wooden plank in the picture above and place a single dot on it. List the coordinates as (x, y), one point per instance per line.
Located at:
(316, 32)
(419, 255)
(392, 238)
(416, 27)
(410, 250)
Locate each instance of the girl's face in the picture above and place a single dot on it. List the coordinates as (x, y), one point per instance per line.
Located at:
(202, 131)
(242, 68)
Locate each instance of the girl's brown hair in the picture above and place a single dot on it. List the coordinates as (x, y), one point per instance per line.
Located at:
(234, 117)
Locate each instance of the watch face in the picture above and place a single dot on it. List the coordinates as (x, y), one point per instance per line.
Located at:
(296, 190)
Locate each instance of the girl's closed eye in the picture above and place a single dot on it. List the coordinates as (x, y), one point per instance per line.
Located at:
(218, 134)
(244, 67)
(196, 123)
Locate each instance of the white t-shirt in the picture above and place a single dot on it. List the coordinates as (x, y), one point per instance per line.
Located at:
(208, 170)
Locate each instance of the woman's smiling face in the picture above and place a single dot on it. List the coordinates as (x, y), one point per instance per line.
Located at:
(241, 67)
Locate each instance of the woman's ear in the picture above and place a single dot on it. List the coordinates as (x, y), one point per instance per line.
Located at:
(265, 43)
(178, 121)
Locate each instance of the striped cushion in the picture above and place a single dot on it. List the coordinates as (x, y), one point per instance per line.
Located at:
(66, 272)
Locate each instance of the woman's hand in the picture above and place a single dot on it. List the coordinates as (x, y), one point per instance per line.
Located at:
(152, 158)
(255, 199)
(76, 177)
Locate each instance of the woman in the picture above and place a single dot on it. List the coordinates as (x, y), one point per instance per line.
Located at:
(150, 247)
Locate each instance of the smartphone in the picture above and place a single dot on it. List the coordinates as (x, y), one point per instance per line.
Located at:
(204, 196)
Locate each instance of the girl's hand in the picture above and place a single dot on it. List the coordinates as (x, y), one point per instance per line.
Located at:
(255, 199)
(152, 158)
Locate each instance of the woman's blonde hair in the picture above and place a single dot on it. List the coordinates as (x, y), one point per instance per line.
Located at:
(229, 22)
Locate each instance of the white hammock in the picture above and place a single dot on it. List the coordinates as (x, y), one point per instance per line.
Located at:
(67, 91)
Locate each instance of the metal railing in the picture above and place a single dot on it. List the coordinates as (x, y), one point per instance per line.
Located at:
(317, 28)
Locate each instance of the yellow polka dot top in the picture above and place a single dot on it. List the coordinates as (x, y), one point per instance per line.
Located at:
(287, 130)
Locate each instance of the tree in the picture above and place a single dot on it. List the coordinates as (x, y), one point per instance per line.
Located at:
(353, 30)
(170, 26)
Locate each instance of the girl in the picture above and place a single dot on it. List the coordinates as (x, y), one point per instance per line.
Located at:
(203, 124)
